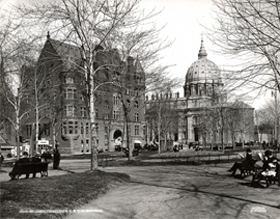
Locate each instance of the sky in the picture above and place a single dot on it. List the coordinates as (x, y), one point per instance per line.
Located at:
(183, 19)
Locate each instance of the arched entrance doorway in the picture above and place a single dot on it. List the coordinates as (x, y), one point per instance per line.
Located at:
(117, 136)
(196, 134)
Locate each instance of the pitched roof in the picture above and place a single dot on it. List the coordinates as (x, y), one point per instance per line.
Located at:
(69, 54)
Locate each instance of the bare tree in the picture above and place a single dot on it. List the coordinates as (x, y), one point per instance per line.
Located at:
(17, 54)
(89, 24)
(248, 33)
(268, 117)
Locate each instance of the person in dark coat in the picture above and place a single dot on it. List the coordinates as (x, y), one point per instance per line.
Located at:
(35, 159)
(24, 159)
(246, 162)
(1, 158)
(56, 159)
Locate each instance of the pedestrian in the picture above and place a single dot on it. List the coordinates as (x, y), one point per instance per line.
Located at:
(56, 159)
(1, 159)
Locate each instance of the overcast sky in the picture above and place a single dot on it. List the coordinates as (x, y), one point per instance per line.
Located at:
(183, 19)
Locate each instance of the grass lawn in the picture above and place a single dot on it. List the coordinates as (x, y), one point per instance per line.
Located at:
(20, 198)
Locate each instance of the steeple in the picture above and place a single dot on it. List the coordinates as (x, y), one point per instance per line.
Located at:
(202, 52)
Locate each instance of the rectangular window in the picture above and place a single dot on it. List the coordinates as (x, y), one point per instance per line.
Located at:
(87, 128)
(70, 110)
(136, 117)
(28, 130)
(70, 128)
(83, 111)
(82, 128)
(70, 94)
(137, 130)
(76, 128)
(64, 128)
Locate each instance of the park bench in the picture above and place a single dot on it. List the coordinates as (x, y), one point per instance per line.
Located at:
(248, 169)
(267, 179)
(28, 168)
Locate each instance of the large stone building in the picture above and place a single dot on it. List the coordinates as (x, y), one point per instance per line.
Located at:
(203, 115)
(120, 85)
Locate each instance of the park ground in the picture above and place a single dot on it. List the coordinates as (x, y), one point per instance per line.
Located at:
(161, 190)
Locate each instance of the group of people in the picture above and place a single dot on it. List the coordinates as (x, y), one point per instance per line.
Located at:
(270, 165)
(37, 158)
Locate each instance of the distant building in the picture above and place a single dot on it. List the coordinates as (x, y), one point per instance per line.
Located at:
(61, 68)
(7, 132)
(203, 115)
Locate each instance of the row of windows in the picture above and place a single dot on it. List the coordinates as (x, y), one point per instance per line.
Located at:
(117, 101)
(44, 129)
(71, 94)
(71, 127)
(71, 111)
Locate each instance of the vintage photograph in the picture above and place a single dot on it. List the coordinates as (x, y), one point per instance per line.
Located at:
(139, 109)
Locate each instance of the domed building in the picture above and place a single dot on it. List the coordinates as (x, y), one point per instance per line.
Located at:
(203, 115)
(203, 80)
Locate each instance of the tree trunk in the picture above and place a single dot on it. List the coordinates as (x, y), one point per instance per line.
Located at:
(94, 161)
(17, 134)
(53, 135)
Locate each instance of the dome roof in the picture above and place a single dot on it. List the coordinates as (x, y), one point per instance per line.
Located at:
(203, 70)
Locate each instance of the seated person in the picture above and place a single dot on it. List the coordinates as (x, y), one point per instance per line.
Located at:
(35, 159)
(247, 162)
(24, 159)
(270, 164)
(45, 156)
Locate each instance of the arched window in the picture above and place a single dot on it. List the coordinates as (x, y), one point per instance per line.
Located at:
(136, 105)
(68, 80)
(106, 104)
(195, 120)
(128, 103)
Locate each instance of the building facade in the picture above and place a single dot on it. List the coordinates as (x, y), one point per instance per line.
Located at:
(203, 115)
(119, 99)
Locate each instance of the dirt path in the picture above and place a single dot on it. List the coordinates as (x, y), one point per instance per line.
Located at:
(183, 192)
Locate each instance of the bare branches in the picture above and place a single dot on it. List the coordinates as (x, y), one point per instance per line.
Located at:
(249, 31)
